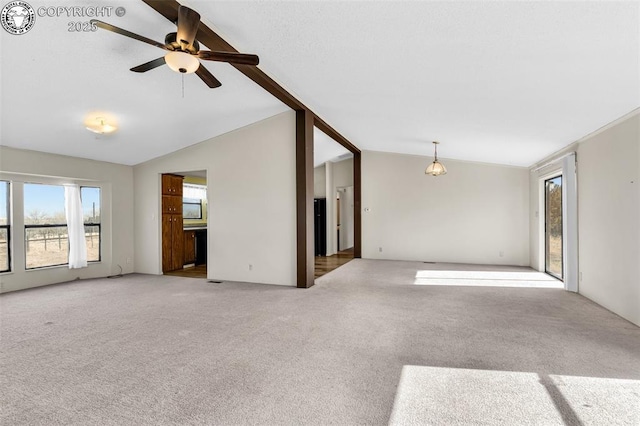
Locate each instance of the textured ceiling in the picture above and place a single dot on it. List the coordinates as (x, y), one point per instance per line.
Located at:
(52, 79)
(500, 82)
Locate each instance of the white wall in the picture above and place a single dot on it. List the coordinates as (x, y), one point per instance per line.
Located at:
(341, 178)
(331, 209)
(116, 182)
(609, 218)
(343, 173)
(251, 199)
(320, 182)
(473, 214)
(347, 224)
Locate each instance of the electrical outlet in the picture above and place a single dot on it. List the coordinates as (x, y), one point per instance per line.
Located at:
(250, 267)
(501, 253)
(128, 260)
(380, 249)
(580, 275)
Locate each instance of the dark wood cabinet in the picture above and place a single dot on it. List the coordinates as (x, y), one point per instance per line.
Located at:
(172, 226)
(172, 242)
(172, 185)
(189, 247)
(201, 247)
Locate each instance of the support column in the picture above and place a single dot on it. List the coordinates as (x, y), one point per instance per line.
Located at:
(304, 199)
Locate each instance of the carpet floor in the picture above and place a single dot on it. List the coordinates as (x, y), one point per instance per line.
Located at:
(371, 343)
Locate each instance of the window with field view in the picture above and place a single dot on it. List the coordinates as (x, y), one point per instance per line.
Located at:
(45, 227)
(5, 228)
(92, 229)
(45, 233)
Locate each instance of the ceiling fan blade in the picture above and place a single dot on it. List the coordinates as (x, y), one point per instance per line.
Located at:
(149, 65)
(231, 57)
(207, 77)
(188, 21)
(120, 31)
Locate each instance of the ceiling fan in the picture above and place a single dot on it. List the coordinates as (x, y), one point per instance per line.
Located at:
(183, 49)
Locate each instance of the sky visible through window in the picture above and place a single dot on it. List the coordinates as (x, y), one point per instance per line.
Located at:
(4, 189)
(49, 199)
(42, 200)
(90, 203)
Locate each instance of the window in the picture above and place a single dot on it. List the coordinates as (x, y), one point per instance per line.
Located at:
(5, 228)
(194, 196)
(191, 208)
(45, 226)
(91, 211)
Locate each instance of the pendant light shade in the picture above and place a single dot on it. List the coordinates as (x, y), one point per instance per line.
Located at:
(436, 168)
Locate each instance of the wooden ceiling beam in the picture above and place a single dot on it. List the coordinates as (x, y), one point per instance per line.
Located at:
(209, 38)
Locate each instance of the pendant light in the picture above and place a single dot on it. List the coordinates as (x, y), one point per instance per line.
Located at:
(436, 168)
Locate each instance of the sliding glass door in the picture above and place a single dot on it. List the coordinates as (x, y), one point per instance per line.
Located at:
(553, 227)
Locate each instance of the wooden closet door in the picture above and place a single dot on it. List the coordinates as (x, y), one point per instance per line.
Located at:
(177, 241)
(167, 251)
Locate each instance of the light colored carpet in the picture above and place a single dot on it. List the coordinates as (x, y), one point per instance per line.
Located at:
(366, 345)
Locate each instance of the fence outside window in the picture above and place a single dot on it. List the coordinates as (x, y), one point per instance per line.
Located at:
(48, 244)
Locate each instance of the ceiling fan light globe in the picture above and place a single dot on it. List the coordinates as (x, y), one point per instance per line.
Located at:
(181, 62)
(436, 169)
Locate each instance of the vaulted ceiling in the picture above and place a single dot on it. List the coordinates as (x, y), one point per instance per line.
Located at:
(499, 82)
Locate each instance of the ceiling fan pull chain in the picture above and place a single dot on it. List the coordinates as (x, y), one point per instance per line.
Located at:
(182, 85)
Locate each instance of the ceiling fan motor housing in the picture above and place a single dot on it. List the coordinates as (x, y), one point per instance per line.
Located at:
(171, 40)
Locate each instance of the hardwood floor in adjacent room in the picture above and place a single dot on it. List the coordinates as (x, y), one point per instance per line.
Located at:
(323, 265)
(199, 271)
(326, 264)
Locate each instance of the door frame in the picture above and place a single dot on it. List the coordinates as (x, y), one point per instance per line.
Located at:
(544, 220)
(567, 167)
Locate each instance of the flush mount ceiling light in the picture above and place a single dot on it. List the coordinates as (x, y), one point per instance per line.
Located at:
(100, 126)
(181, 62)
(436, 168)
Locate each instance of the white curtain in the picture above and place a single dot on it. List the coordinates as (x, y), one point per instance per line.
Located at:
(75, 227)
(197, 192)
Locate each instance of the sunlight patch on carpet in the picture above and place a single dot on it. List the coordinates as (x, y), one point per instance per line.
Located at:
(532, 279)
(435, 395)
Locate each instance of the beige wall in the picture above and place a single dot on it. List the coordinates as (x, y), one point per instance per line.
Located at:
(477, 213)
(343, 173)
(320, 181)
(609, 218)
(327, 179)
(251, 200)
(116, 181)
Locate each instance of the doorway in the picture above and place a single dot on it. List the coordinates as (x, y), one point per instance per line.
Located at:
(345, 220)
(334, 206)
(187, 244)
(553, 227)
